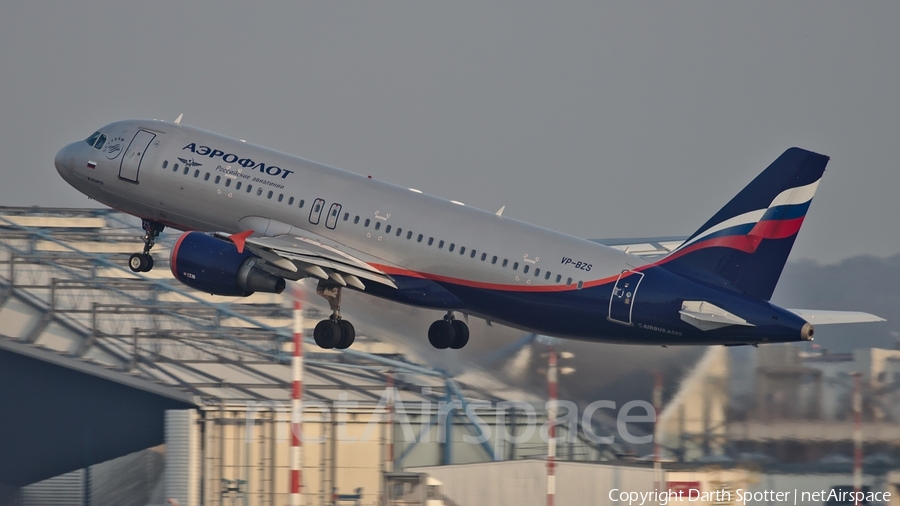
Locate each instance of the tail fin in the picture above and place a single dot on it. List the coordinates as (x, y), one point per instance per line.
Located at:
(746, 244)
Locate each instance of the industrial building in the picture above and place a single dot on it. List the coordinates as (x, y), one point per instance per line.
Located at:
(132, 389)
(101, 364)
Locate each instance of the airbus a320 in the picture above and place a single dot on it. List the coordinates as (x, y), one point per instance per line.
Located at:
(254, 217)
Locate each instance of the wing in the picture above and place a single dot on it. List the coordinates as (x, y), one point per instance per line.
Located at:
(300, 254)
(648, 248)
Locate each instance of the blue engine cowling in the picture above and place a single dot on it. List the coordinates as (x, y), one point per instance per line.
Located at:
(214, 266)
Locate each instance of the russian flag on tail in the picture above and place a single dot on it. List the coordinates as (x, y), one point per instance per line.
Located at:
(746, 244)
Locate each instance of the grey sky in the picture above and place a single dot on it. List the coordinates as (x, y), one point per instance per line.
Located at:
(599, 120)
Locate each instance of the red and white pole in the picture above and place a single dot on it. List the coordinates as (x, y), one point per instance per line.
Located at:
(389, 450)
(297, 408)
(657, 406)
(857, 437)
(551, 419)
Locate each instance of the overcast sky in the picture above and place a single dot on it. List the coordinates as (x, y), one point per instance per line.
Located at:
(596, 119)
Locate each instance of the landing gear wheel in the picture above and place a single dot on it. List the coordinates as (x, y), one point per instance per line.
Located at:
(348, 335)
(143, 262)
(140, 262)
(461, 337)
(441, 334)
(327, 334)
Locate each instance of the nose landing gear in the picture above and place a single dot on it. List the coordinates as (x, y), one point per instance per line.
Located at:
(143, 262)
(334, 332)
(448, 333)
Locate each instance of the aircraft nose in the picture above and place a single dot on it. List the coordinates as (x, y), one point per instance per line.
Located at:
(65, 160)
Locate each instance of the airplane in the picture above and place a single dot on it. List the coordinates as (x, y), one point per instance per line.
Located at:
(254, 217)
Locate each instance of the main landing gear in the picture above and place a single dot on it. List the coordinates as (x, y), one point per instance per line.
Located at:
(143, 262)
(448, 333)
(334, 332)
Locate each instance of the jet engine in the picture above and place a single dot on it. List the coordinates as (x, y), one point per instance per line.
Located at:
(215, 266)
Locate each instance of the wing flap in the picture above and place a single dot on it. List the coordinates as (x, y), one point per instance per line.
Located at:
(647, 248)
(304, 253)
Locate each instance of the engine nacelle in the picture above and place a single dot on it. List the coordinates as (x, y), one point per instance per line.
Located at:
(214, 266)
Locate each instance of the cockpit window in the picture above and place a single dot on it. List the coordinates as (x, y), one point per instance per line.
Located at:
(97, 140)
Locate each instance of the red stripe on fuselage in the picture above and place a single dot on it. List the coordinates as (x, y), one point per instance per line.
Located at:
(770, 229)
(397, 271)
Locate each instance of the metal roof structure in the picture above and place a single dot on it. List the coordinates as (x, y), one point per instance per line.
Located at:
(69, 302)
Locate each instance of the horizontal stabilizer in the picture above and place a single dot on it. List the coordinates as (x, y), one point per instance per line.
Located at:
(823, 317)
(706, 316)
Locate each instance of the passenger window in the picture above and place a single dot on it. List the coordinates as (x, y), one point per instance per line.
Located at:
(547, 276)
(462, 250)
(537, 272)
(290, 200)
(356, 220)
(387, 230)
(270, 194)
(580, 284)
(227, 182)
(165, 164)
(175, 168)
(505, 262)
(218, 178)
(377, 225)
(568, 281)
(515, 266)
(399, 231)
(558, 278)
(483, 257)
(197, 173)
(441, 244)
(430, 241)
(206, 177)
(258, 192)
(100, 142)
(494, 260)
(301, 203)
(346, 216)
(525, 269)
(280, 197)
(237, 186)
(186, 170)
(409, 236)
(472, 255)
(249, 188)
(452, 245)
(366, 223)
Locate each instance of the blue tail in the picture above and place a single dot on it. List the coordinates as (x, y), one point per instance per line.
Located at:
(746, 244)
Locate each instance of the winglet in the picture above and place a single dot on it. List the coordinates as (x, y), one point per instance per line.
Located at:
(240, 238)
(500, 212)
(178, 119)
